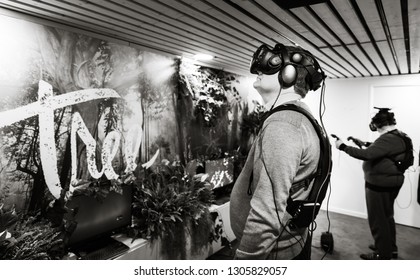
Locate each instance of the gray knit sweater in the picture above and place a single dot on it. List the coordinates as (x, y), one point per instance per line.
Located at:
(285, 151)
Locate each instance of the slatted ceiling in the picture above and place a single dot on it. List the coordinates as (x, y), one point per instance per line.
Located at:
(316, 26)
(371, 16)
(262, 21)
(178, 26)
(325, 13)
(415, 55)
(357, 51)
(371, 32)
(198, 39)
(362, 32)
(281, 21)
(252, 36)
(380, 31)
(400, 46)
(388, 56)
(166, 44)
(152, 39)
(307, 32)
(191, 2)
(393, 14)
(371, 51)
(282, 15)
(345, 67)
(310, 26)
(414, 33)
(348, 14)
(350, 38)
(185, 35)
(330, 72)
(189, 24)
(219, 20)
(326, 61)
(350, 57)
(159, 10)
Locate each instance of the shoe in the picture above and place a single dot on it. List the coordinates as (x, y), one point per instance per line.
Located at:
(371, 256)
(394, 254)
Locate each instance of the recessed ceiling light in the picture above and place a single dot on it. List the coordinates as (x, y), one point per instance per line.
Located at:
(202, 56)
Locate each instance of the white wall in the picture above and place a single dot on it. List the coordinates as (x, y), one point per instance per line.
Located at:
(349, 108)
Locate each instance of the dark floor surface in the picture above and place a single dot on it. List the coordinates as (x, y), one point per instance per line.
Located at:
(351, 237)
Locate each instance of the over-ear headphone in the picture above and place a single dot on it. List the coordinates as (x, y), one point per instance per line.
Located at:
(286, 60)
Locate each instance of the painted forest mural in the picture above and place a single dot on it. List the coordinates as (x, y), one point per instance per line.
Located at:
(75, 110)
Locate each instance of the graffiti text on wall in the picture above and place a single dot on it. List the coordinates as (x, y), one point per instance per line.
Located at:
(44, 109)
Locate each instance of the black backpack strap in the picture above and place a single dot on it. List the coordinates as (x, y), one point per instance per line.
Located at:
(304, 212)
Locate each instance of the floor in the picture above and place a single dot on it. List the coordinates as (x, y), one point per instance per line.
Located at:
(351, 238)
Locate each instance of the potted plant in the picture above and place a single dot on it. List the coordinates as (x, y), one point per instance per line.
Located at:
(173, 207)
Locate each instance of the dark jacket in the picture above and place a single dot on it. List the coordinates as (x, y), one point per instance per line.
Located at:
(378, 166)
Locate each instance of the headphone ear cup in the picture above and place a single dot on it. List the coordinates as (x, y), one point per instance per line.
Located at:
(287, 76)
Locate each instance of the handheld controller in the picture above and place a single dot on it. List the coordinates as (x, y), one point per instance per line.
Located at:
(335, 136)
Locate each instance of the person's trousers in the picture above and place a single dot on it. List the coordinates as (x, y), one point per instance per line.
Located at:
(380, 208)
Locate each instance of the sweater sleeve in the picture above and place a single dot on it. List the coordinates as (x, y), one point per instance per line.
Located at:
(378, 149)
(274, 171)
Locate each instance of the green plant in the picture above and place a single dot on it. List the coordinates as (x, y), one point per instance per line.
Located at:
(210, 106)
(208, 89)
(30, 238)
(166, 203)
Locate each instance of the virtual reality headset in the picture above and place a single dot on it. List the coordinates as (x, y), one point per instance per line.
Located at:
(382, 118)
(286, 60)
(266, 60)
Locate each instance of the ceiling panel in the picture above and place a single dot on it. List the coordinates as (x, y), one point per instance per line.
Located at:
(391, 60)
(313, 25)
(326, 14)
(372, 53)
(346, 11)
(350, 38)
(370, 14)
(413, 40)
(353, 60)
(359, 52)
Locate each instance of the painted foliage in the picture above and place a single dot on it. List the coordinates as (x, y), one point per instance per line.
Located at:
(214, 101)
(75, 109)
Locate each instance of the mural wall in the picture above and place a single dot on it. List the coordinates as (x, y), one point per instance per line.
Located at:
(75, 109)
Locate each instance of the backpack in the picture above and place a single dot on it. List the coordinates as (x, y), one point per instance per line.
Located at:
(304, 212)
(408, 159)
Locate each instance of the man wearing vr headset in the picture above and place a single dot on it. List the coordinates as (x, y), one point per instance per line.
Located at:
(383, 181)
(285, 152)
